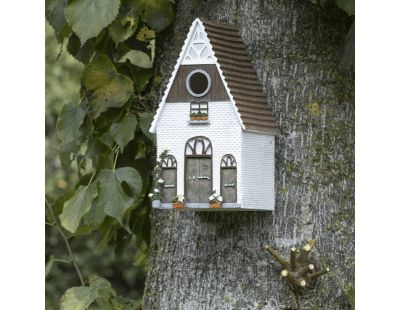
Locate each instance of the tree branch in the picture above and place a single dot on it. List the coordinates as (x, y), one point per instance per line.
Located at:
(71, 255)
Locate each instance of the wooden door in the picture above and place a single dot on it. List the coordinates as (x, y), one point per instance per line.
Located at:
(228, 184)
(169, 166)
(169, 189)
(198, 179)
(228, 178)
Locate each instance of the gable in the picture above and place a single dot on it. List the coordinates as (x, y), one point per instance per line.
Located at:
(179, 93)
(211, 43)
(198, 50)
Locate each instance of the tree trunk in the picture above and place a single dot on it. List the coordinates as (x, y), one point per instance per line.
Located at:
(216, 260)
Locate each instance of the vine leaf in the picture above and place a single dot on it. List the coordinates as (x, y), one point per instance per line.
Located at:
(124, 131)
(88, 17)
(81, 297)
(112, 197)
(138, 58)
(346, 5)
(55, 16)
(70, 119)
(145, 122)
(104, 86)
(75, 208)
(122, 29)
(82, 53)
(158, 14)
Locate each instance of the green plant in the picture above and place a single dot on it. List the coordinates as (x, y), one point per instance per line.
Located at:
(179, 198)
(299, 271)
(215, 198)
(104, 135)
(198, 114)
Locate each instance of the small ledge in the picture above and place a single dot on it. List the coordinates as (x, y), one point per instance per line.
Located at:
(197, 206)
(202, 122)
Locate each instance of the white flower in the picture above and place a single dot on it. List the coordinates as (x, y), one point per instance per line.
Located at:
(161, 181)
(151, 195)
(156, 190)
(211, 197)
(219, 199)
(167, 148)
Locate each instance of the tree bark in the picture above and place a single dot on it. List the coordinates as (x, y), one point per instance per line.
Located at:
(217, 260)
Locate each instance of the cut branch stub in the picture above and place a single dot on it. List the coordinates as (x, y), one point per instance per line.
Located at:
(318, 273)
(293, 258)
(277, 257)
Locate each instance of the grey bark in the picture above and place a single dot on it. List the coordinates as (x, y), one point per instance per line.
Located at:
(216, 260)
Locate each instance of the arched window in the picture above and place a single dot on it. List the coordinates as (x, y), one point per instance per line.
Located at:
(168, 161)
(228, 161)
(198, 146)
(198, 170)
(169, 166)
(229, 178)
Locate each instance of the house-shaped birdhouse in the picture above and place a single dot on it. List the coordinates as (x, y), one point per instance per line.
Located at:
(215, 122)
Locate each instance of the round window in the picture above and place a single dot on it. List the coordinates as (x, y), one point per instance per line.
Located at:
(198, 83)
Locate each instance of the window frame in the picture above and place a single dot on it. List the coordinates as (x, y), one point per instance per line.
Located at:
(188, 88)
(200, 108)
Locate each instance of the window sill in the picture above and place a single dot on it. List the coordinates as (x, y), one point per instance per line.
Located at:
(199, 122)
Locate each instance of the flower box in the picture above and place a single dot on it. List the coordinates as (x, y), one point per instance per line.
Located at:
(178, 205)
(215, 205)
(199, 118)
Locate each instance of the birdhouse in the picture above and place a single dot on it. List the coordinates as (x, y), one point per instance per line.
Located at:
(217, 126)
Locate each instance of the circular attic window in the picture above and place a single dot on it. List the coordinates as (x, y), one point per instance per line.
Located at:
(198, 83)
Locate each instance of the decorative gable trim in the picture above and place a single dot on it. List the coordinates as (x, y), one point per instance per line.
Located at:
(199, 50)
(198, 33)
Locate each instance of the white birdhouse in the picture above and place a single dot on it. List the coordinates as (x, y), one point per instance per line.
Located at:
(219, 130)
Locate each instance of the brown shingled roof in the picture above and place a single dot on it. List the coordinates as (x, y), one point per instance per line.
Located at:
(241, 77)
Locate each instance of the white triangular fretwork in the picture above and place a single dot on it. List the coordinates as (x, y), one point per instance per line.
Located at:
(198, 50)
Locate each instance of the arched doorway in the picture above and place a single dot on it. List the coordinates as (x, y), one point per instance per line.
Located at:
(198, 169)
(169, 166)
(229, 178)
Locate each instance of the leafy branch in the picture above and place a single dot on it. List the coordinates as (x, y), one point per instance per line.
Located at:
(67, 245)
(105, 135)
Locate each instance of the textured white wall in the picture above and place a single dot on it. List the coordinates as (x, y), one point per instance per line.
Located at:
(258, 171)
(224, 132)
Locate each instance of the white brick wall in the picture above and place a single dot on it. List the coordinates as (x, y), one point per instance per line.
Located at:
(258, 171)
(224, 132)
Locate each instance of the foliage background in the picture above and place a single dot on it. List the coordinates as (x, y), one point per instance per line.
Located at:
(62, 86)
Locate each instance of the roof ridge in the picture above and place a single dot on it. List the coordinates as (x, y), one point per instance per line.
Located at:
(220, 24)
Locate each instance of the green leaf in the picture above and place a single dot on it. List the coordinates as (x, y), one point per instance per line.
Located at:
(145, 121)
(81, 297)
(95, 216)
(127, 21)
(84, 53)
(158, 14)
(88, 17)
(124, 131)
(346, 5)
(122, 29)
(105, 292)
(112, 197)
(49, 265)
(75, 208)
(104, 86)
(351, 296)
(55, 16)
(70, 119)
(138, 58)
(78, 298)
